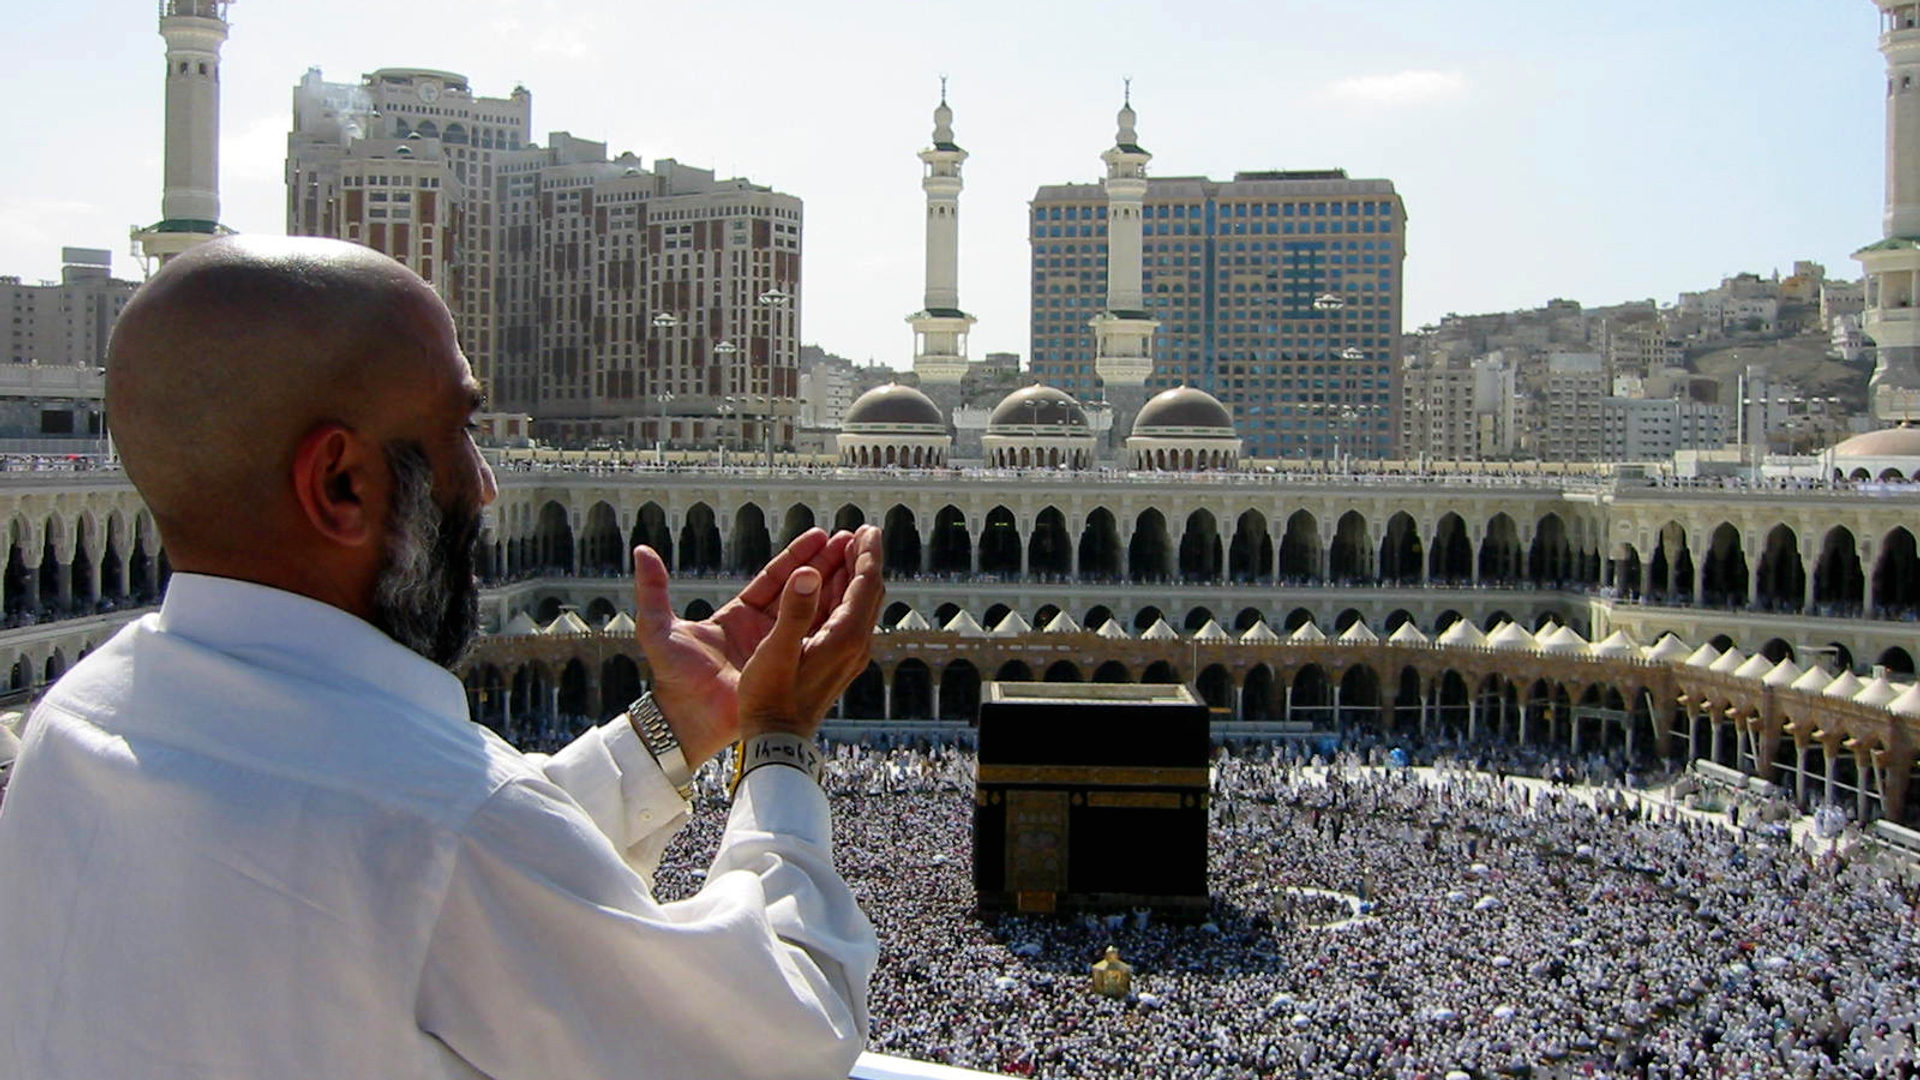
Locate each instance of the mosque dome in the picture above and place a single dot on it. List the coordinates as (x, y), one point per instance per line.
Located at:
(1038, 406)
(893, 405)
(1183, 429)
(1902, 441)
(1039, 426)
(1187, 410)
(894, 426)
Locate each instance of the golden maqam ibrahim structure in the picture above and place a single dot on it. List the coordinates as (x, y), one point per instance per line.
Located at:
(1112, 976)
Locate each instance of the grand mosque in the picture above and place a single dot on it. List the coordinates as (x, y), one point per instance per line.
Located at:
(1770, 625)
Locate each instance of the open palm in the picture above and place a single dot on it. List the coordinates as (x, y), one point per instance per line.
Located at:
(697, 663)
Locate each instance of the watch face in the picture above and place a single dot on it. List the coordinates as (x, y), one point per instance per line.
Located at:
(429, 92)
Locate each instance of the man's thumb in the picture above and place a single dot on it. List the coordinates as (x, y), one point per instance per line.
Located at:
(652, 608)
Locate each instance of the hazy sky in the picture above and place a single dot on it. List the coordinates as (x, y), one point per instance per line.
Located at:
(1597, 151)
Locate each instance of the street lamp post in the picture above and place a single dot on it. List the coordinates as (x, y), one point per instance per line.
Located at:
(726, 409)
(1346, 417)
(777, 300)
(1354, 354)
(1329, 304)
(659, 444)
(723, 351)
(662, 322)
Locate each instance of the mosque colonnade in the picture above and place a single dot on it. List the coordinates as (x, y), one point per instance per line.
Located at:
(1830, 553)
(1815, 748)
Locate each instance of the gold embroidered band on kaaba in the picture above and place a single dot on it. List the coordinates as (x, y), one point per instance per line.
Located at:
(1092, 776)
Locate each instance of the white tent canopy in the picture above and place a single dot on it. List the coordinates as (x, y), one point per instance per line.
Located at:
(1845, 685)
(1563, 639)
(1668, 649)
(1307, 632)
(1012, 625)
(965, 625)
(1877, 694)
(1160, 631)
(1704, 656)
(1729, 661)
(1408, 634)
(1511, 636)
(1618, 643)
(1813, 680)
(1908, 703)
(1783, 673)
(1259, 632)
(1358, 632)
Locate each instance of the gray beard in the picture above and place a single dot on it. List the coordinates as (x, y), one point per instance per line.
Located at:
(425, 596)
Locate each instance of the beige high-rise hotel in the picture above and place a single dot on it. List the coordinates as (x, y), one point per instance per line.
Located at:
(617, 304)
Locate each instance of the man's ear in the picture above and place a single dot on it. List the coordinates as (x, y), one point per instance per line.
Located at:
(337, 478)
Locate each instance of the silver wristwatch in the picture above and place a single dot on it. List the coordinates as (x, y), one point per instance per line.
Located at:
(658, 738)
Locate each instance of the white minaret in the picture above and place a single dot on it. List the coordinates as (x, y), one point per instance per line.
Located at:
(940, 328)
(1123, 334)
(1893, 264)
(190, 201)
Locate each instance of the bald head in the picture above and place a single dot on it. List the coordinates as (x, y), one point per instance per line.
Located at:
(234, 351)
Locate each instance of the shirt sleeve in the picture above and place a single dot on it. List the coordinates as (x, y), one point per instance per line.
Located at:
(615, 779)
(551, 958)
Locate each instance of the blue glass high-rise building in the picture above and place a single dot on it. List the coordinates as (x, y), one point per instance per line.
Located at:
(1277, 292)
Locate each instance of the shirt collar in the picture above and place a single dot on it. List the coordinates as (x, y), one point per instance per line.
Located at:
(302, 635)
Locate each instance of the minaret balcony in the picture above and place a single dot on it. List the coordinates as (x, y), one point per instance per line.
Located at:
(1124, 370)
(933, 320)
(194, 38)
(1901, 47)
(1897, 327)
(1893, 255)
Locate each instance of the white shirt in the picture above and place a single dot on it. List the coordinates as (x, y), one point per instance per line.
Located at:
(253, 837)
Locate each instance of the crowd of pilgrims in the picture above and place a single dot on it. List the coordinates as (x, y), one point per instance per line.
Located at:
(1440, 923)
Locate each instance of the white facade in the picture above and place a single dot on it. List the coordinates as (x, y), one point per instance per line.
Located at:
(1729, 310)
(1438, 415)
(1643, 346)
(1839, 299)
(1653, 429)
(1849, 340)
(1572, 421)
(611, 301)
(1460, 412)
(53, 371)
(65, 323)
(826, 389)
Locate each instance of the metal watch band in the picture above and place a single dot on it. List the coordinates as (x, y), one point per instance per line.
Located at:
(776, 748)
(657, 736)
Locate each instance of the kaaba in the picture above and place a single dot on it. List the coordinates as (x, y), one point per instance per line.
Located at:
(1091, 796)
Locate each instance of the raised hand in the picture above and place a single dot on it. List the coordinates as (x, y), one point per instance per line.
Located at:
(697, 664)
(795, 675)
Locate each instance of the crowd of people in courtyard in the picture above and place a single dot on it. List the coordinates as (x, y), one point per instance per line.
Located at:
(1481, 926)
